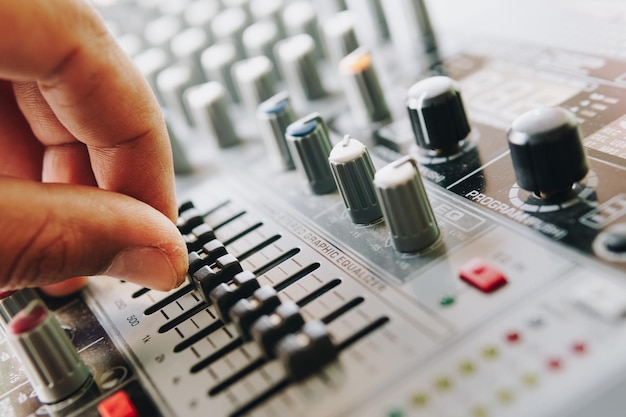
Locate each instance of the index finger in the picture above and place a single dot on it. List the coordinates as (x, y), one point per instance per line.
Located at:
(94, 90)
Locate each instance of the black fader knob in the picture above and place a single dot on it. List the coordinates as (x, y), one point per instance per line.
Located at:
(547, 151)
(437, 115)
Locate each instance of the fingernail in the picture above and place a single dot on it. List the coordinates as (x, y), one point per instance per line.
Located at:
(145, 266)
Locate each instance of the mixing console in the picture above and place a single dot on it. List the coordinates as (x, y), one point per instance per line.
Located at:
(390, 210)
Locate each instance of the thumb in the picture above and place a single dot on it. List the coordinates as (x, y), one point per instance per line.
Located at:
(50, 232)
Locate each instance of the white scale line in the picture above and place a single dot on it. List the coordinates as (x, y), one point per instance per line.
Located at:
(477, 170)
(91, 344)
(6, 394)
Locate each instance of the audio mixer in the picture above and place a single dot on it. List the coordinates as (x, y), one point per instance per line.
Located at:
(392, 208)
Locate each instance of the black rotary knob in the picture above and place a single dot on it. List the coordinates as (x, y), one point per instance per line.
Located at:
(437, 115)
(547, 151)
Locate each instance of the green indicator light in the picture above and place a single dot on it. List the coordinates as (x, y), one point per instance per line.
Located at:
(395, 413)
(447, 301)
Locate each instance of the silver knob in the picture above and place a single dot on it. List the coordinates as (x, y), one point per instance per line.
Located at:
(200, 13)
(353, 170)
(268, 10)
(217, 62)
(187, 47)
(172, 83)
(308, 139)
(160, 31)
(209, 108)
(254, 79)
(409, 26)
(363, 92)
(370, 24)
(274, 115)
(405, 205)
(55, 370)
(299, 67)
(228, 26)
(339, 36)
(12, 302)
(300, 17)
(150, 63)
(260, 38)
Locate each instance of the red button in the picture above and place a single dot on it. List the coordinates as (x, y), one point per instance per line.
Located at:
(481, 275)
(117, 405)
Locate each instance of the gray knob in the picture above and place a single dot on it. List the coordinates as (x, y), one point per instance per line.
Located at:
(182, 165)
(160, 31)
(371, 27)
(187, 47)
(217, 62)
(200, 13)
(274, 115)
(409, 26)
(354, 172)
(172, 83)
(547, 151)
(299, 67)
(437, 115)
(255, 82)
(268, 10)
(12, 302)
(406, 207)
(209, 108)
(260, 38)
(339, 36)
(299, 17)
(365, 97)
(308, 139)
(55, 370)
(228, 26)
(150, 63)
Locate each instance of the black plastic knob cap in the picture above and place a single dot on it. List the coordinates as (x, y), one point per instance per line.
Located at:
(547, 151)
(437, 114)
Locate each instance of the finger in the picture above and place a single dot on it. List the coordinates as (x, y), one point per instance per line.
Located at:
(65, 159)
(52, 232)
(95, 92)
(21, 154)
(67, 287)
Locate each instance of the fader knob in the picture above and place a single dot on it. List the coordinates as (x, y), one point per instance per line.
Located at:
(55, 370)
(354, 171)
(547, 151)
(437, 115)
(406, 206)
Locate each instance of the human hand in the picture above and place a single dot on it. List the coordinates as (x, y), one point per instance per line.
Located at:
(86, 174)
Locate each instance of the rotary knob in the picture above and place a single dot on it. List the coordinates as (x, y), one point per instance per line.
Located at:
(54, 368)
(353, 170)
(310, 147)
(437, 115)
(405, 205)
(547, 151)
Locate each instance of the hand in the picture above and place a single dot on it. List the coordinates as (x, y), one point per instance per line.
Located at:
(86, 174)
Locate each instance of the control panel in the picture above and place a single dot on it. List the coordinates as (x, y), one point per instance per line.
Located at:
(392, 208)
